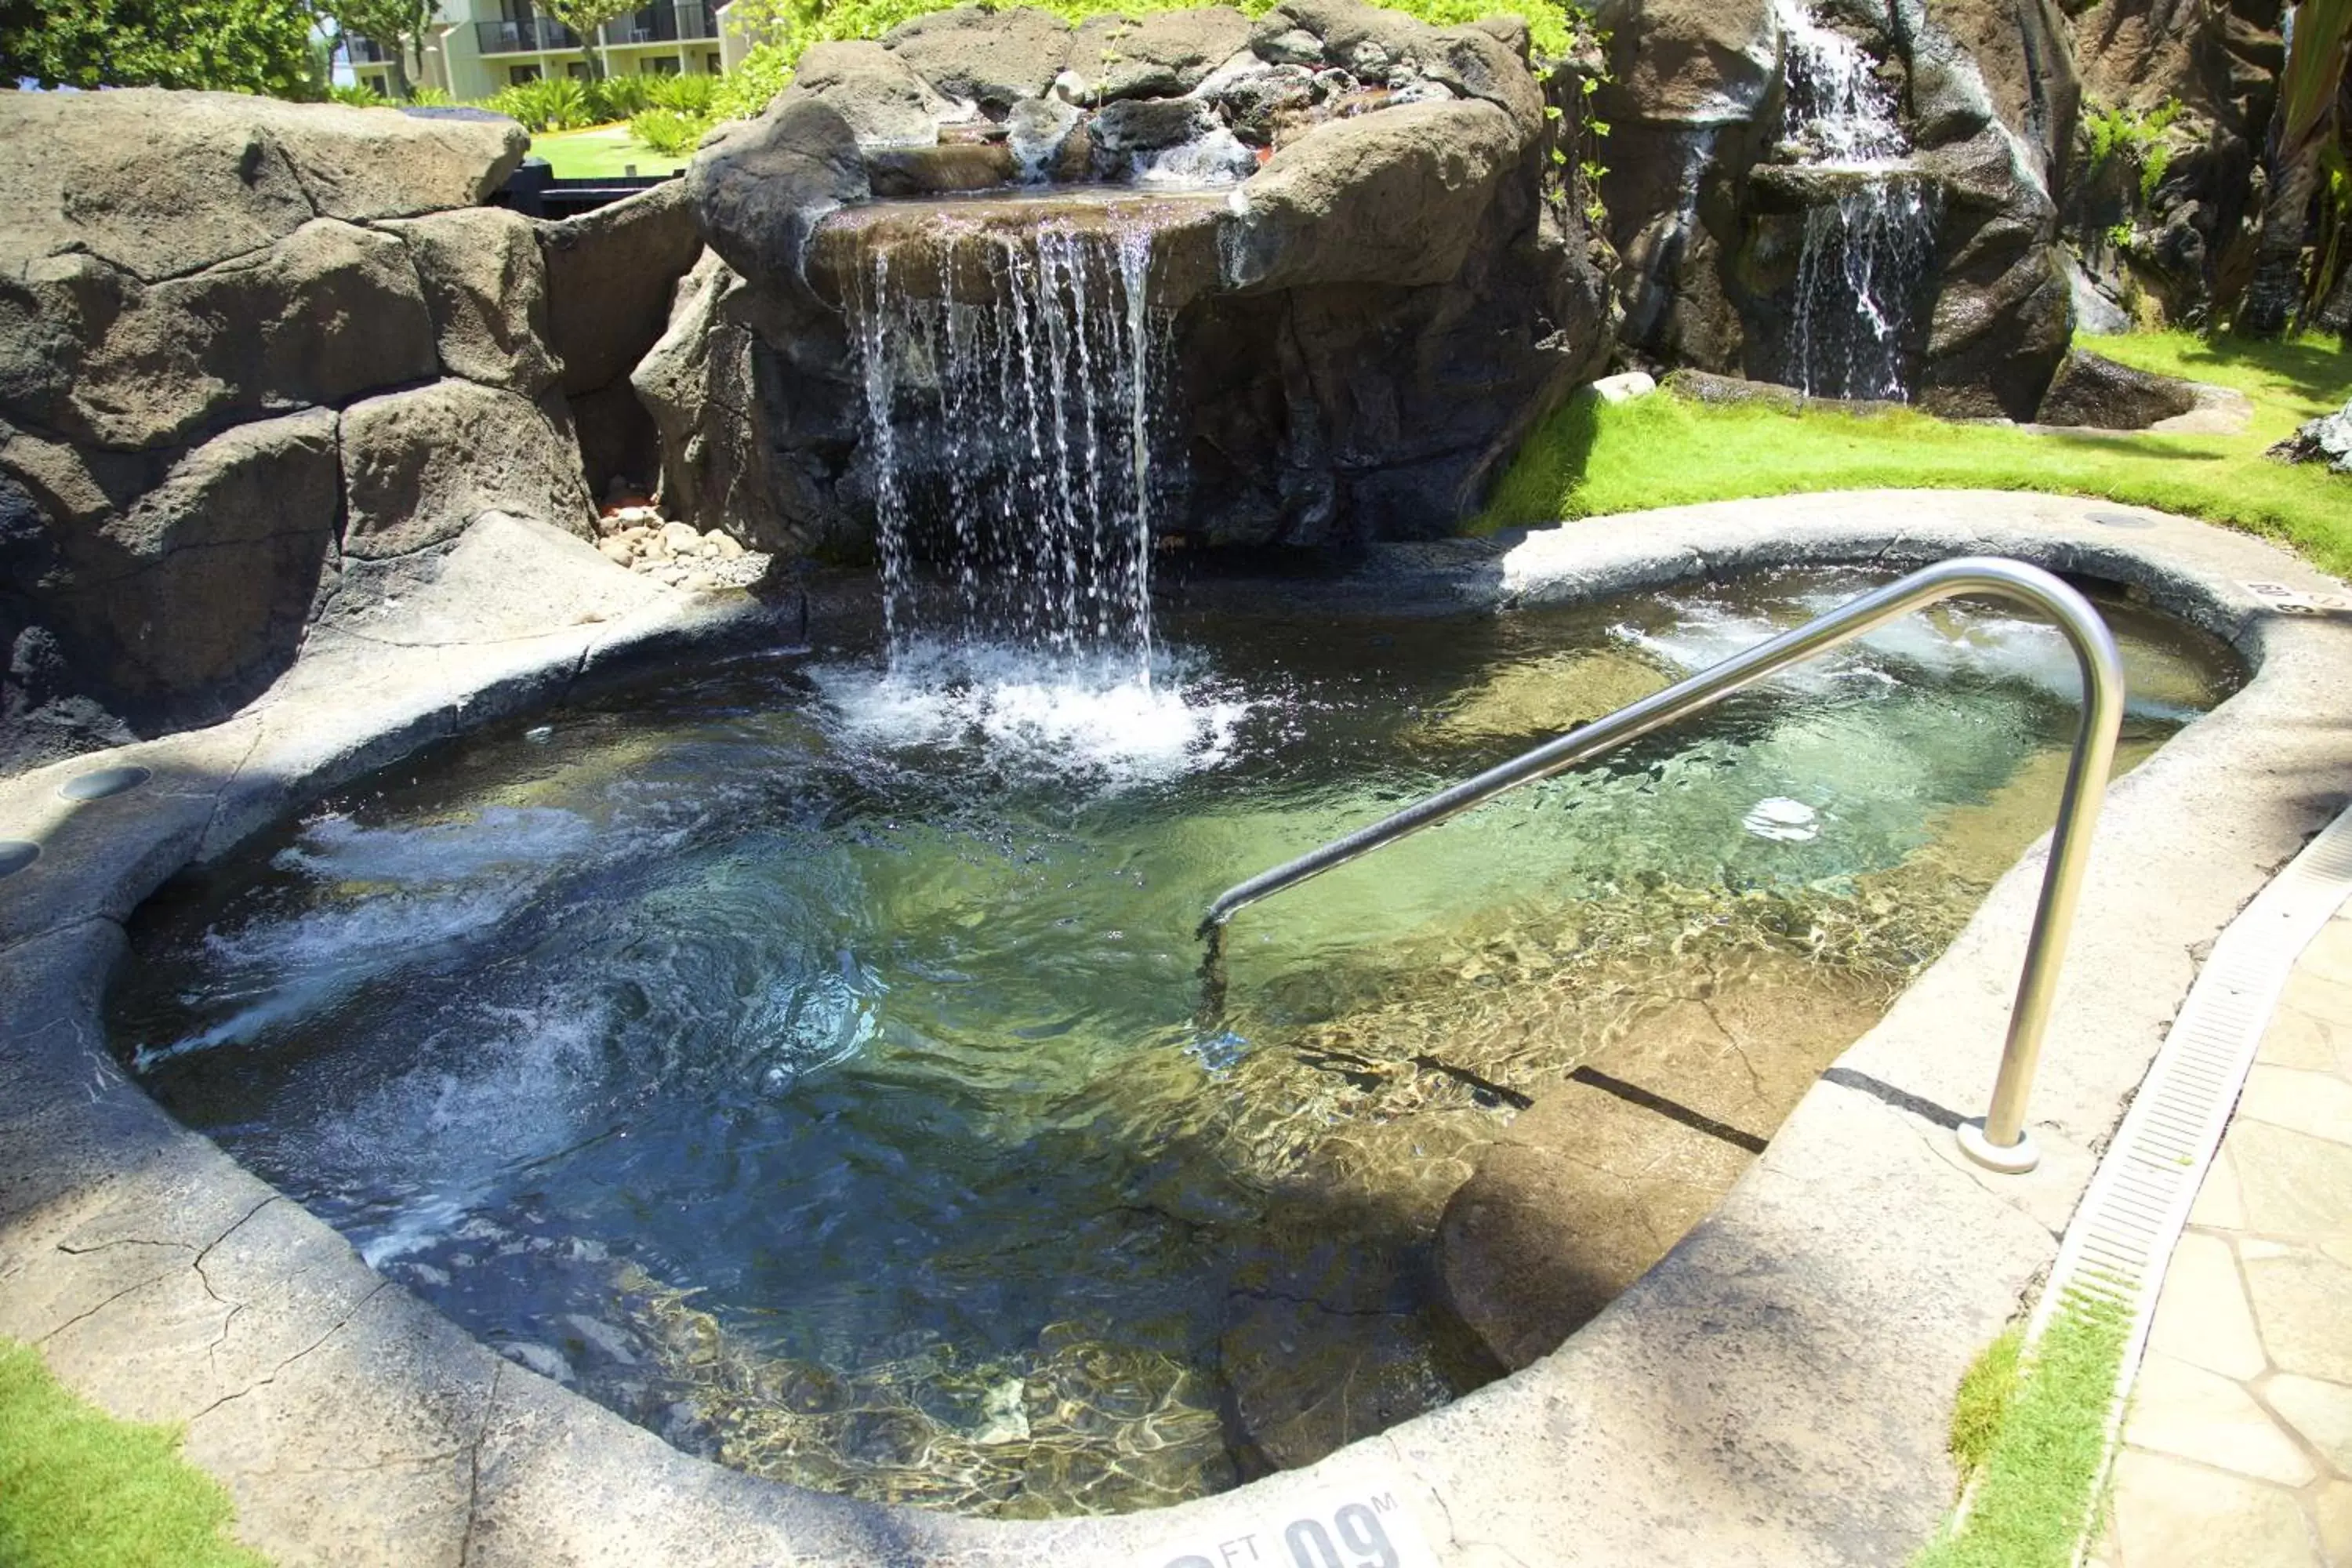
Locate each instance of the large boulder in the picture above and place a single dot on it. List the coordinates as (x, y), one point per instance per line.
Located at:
(1161, 54)
(2099, 393)
(163, 183)
(487, 289)
(420, 466)
(994, 59)
(611, 273)
(195, 592)
(760, 189)
(696, 381)
(886, 100)
(328, 313)
(1389, 199)
(1691, 62)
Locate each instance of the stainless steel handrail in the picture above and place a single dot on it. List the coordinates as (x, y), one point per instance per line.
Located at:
(2000, 1141)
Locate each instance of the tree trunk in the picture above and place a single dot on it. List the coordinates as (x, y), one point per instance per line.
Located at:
(397, 56)
(2277, 288)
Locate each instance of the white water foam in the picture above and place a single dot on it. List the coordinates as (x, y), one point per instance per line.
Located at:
(1077, 717)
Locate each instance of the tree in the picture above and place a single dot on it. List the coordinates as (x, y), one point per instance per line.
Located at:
(234, 45)
(398, 26)
(583, 17)
(2307, 130)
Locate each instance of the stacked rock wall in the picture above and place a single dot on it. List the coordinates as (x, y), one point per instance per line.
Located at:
(2212, 68)
(251, 354)
(1708, 208)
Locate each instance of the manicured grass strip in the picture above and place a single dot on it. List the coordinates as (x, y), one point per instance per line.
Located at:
(80, 1490)
(2033, 1431)
(1592, 460)
(599, 151)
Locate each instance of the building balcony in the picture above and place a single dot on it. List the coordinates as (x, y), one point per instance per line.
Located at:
(664, 24)
(535, 35)
(365, 51)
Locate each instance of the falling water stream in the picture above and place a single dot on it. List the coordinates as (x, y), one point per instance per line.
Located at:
(1011, 380)
(1870, 239)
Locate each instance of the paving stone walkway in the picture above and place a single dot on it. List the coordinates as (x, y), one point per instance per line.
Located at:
(2238, 1447)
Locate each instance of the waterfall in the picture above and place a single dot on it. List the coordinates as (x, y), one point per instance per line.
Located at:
(1869, 230)
(1012, 381)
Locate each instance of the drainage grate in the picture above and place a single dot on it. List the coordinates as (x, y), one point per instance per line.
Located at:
(2123, 1234)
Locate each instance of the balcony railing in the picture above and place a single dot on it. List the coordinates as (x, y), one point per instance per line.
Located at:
(664, 24)
(528, 36)
(365, 51)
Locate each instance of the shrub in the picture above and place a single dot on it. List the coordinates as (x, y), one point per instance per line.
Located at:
(2129, 134)
(357, 95)
(550, 103)
(690, 95)
(430, 97)
(619, 97)
(667, 132)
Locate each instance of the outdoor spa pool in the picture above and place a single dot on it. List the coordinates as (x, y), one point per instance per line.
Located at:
(802, 1055)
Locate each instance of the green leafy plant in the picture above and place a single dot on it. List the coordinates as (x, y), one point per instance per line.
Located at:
(2135, 135)
(620, 96)
(357, 95)
(668, 132)
(430, 97)
(683, 94)
(228, 45)
(550, 103)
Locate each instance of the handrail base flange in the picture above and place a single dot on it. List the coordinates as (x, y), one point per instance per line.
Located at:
(2014, 1161)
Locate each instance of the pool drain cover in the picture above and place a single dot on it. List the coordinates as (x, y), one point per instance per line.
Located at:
(15, 855)
(103, 781)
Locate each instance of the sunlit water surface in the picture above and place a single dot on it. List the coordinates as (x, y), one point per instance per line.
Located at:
(802, 1059)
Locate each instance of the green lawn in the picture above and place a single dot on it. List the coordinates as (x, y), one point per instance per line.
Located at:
(1590, 459)
(597, 151)
(80, 1490)
(2030, 1430)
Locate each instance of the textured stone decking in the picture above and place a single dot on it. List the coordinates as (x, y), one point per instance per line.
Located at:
(2238, 1445)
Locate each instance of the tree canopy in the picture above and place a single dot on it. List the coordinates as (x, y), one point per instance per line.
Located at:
(236, 46)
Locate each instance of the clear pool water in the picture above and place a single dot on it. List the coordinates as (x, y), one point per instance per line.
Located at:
(801, 1057)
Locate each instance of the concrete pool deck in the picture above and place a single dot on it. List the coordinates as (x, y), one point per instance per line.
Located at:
(1776, 1391)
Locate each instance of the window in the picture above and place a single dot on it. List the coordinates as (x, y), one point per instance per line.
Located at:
(712, 64)
(660, 65)
(577, 70)
(518, 75)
